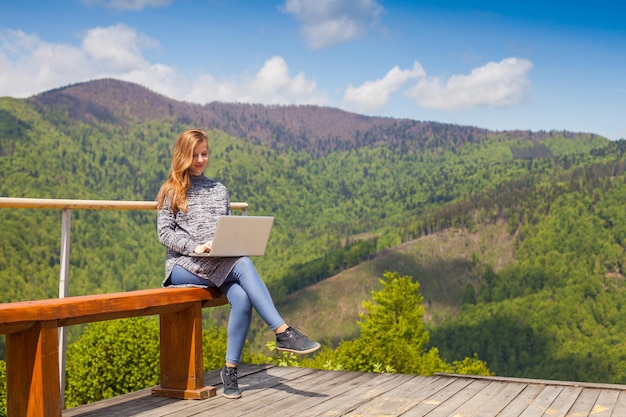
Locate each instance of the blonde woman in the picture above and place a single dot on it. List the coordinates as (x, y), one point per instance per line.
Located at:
(188, 205)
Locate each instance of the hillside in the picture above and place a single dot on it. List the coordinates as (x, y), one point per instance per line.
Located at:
(444, 263)
(486, 221)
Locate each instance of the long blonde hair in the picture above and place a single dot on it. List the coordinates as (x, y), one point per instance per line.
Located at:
(175, 187)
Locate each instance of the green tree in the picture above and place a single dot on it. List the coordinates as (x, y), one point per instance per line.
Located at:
(393, 336)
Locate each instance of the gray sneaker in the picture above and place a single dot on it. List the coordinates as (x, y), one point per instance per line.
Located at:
(293, 340)
(229, 379)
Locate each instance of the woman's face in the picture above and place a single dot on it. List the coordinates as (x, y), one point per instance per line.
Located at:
(200, 159)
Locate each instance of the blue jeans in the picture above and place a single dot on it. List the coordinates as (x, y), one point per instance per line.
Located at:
(244, 289)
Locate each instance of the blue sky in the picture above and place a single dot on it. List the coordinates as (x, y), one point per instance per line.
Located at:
(531, 65)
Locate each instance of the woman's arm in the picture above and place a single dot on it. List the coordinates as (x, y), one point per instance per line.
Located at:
(169, 237)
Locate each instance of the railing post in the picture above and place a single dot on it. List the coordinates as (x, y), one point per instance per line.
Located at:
(66, 218)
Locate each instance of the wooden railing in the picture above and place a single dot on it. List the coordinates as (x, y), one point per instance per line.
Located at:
(35, 336)
(52, 203)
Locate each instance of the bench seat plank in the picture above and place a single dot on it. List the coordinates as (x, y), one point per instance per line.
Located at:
(17, 317)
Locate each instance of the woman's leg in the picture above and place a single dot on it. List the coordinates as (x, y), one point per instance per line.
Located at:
(238, 321)
(245, 274)
(180, 276)
(245, 289)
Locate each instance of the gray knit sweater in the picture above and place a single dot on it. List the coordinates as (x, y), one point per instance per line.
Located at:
(180, 233)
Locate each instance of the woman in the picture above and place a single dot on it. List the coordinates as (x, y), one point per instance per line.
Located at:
(188, 205)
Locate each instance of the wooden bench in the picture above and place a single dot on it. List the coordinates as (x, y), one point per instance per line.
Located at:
(32, 342)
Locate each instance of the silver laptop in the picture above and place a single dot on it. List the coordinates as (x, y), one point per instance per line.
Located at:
(240, 236)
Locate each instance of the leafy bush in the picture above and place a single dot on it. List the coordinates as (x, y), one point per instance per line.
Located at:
(113, 358)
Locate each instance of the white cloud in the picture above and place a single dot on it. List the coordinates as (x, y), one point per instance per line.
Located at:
(330, 22)
(117, 48)
(496, 84)
(29, 65)
(374, 95)
(132, 5)
(271, 85)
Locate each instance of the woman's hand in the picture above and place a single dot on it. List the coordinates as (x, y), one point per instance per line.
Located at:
(205, 247)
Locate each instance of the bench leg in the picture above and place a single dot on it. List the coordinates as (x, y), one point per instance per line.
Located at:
(32, 363)
(182, 375)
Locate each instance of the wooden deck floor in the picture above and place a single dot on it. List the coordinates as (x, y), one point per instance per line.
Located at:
(283, 391)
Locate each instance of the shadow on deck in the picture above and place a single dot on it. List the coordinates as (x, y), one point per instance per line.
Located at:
(285, 391)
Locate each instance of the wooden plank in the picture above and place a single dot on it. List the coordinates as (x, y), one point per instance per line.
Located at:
(253, 379)
(354, 397)
(604, 404)
(542, 401)
(455, 404)
(327, 386)
(495, 402)
(133, 407)
(584, 402)
(563, 403)
(521, 402)
(141, 405)
(490, 400)
(338, 397)
(433, 401)
(90, 308)
(349, 402)
(396, 400)
(270, 399)
(620, 405)
(115, 405)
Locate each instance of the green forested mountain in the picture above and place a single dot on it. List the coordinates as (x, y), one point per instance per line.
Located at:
(529, 275)
(342, 187)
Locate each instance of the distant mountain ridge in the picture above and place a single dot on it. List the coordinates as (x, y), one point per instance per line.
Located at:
(314, 129)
